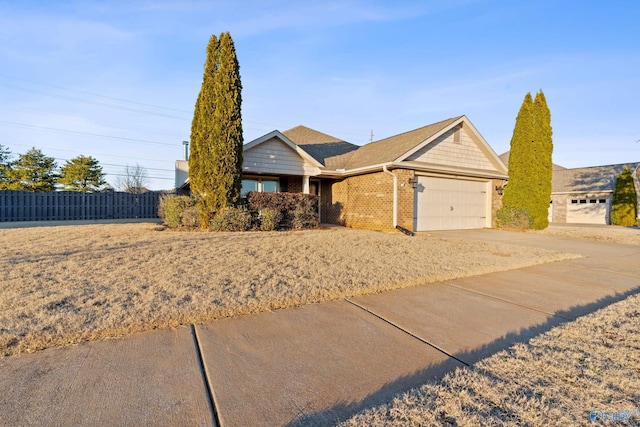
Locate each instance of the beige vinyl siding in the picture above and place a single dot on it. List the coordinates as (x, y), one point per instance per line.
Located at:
(445, 151)
(275, 157)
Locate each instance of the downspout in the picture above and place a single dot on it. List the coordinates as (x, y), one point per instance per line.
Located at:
(395, 194)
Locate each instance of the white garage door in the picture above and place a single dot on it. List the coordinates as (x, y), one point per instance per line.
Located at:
(588, 211)
(450, 204)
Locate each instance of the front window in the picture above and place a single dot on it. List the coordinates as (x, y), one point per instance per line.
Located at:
(248, 185)
(261, 185)
(269, 186)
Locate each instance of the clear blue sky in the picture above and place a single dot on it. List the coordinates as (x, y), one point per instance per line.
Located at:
(118, 80)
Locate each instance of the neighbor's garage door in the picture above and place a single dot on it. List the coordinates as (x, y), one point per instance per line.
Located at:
(450, 204)
(588, 211)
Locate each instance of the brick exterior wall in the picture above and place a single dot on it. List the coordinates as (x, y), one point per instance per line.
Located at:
(366, 201)
(496, 200)
(406, 194)
(293, 184)
(559, 208)
(362, 201)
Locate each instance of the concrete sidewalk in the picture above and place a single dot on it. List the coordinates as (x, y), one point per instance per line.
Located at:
(318, 364)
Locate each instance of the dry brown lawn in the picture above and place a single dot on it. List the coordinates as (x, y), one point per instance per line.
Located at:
(557, 379)
(611, 233)
(68, 284)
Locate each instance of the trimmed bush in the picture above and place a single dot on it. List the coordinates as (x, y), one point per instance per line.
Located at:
(174, 208)
(305, 215)
(297, 210)
(162, 202)
(191, 217)
(231, 219)
(625, 199)
(269, 219)
(513, 218)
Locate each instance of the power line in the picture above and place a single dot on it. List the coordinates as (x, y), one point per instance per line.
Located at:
(135, 103)
(96, 94)
(97, 103)
(57, 115)
(91, 153)
(95, 135)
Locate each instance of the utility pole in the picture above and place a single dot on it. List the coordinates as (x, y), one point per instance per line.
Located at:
(371, 136)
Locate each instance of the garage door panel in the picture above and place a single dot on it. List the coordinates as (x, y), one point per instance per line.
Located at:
(587, 213)
(445, 204)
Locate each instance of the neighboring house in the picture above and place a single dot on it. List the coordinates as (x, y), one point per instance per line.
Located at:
(583, 195)
(441, 176)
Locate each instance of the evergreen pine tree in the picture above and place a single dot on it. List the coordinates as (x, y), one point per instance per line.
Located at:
(517, 193)
(82, 174)
(543, 150)
(215, 161)
(5, 165)
(625, 199)
(33, 171)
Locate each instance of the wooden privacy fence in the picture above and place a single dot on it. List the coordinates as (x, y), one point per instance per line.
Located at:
(73, 206)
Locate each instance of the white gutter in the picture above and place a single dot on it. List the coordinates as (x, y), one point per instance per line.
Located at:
(395, 194)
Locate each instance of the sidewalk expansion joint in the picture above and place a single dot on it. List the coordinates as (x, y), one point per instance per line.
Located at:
(581, 283)
(506, 300)
(441, 350)
(205, 377)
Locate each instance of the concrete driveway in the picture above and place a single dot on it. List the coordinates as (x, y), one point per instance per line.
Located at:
(318, 364)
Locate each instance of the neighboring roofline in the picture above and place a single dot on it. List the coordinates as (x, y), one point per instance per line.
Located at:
(605, 166)
(581, 192)
(277, 134)
(462, 119)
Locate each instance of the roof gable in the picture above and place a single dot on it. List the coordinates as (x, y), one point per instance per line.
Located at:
(459, 146)
(277, 156)
(390, 149)
(319, 145)
(277, 134)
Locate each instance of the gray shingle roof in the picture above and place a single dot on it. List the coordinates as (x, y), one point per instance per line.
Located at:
(319, 145)
(389, 149)
(590, 179)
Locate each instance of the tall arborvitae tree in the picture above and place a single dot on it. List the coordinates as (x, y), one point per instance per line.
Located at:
(530, 165)
(201, 144)
(625, 200)
(517, 193)
(543, 150)
(215, 161)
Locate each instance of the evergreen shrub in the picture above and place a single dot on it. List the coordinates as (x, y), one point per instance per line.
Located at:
(625, 199)
(297, 210)
(513, 218)
(174, 208)
(231, 219)
(269, 219)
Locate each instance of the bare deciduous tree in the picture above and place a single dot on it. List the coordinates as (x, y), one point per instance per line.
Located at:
(133, 180)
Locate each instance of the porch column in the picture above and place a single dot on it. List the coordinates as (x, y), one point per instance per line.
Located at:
(305, 184)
